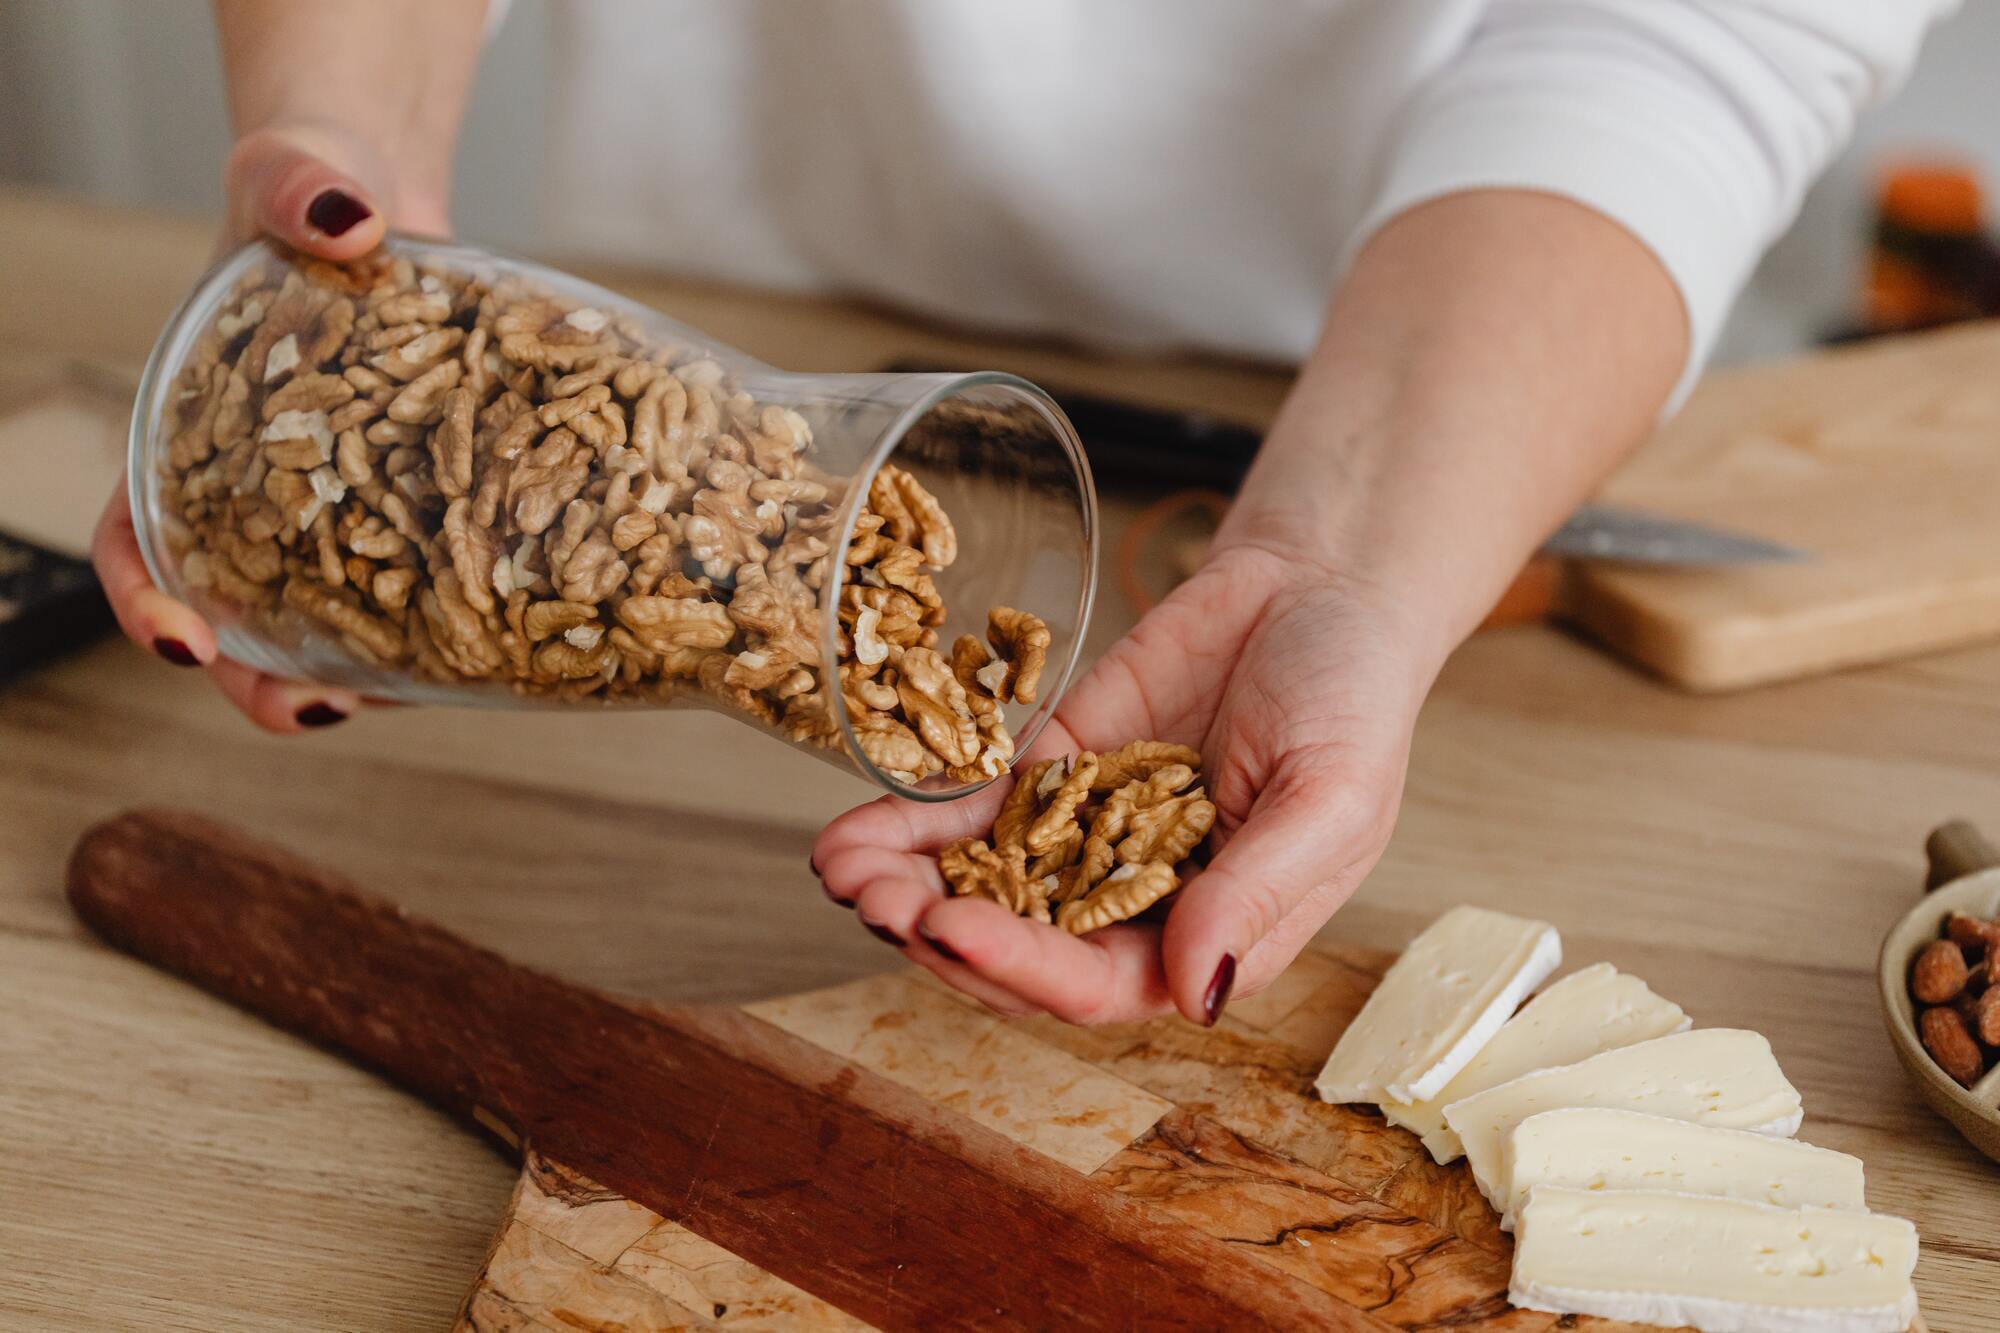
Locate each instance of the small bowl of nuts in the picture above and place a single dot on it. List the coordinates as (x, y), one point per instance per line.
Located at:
(1939, 974)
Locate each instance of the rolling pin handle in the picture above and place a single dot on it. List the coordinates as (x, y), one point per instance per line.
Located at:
(1957, 849)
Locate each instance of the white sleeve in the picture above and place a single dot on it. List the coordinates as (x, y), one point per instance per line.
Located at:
(1697, 125)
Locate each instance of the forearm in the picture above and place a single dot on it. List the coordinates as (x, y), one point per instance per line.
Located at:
(384, 78)
(1489, 358)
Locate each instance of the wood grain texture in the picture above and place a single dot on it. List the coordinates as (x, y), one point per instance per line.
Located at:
(851, 1186)
(1743, 852)
(1876, 459)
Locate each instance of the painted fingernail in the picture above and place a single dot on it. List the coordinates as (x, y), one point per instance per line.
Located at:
(319, 715)
(813, 861)
(175, 651)
(945, 951)
(335, 212)
(1217, 993)
(881, 932)
(836, 899)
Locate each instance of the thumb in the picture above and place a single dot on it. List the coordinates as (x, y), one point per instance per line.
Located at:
(1306, 844)
(303, 188)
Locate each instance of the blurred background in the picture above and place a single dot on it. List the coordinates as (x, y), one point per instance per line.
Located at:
(122, 103)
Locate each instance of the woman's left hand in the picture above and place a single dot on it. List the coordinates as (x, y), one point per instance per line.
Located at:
(1300, 693)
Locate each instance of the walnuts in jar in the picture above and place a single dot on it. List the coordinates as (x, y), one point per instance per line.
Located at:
(465, 477)
(1089, 841)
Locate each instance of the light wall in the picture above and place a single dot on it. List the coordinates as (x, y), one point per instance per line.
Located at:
(119, 100)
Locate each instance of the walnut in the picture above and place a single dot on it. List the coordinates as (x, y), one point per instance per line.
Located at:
(594, 571)
(934, 702)
(1168, 831)
(889, 745)
(544, 481)
(902, 568)
(725, 531)
(661, 623)
(1126, 892)
(1139, 760)
(1023, 804)
(422, 399)
(459, 632)
(382, 640)
(912, 516)
(1022, 640)
(451, 444)
(1047, 831)
(973, 869)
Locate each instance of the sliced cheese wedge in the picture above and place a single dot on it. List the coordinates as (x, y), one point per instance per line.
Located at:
(1438, 1004)
(1596, 1009)
(1710, 1076)
(1598, 1148)
(1720, 1265)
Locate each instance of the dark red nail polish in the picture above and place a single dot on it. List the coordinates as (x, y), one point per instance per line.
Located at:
(1217, 993)
(882, 933)
(813, 861)
(945, 951)
(836, 899)
(335, 212)
(175, 651)
(319, 715)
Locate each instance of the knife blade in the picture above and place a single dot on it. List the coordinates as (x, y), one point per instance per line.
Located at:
(1611, 532)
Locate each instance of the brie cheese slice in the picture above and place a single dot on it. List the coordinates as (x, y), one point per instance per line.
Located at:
(1596, 1009)
(1437, 1005)
(1597, 1148)
(1719, 1265)
(1710, 1076)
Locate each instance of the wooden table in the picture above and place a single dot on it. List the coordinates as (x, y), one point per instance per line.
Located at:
(167, 1162)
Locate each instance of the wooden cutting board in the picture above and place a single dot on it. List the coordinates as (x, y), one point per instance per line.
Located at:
(1882, 460)
(880, 1154)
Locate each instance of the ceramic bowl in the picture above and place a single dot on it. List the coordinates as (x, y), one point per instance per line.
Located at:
(1972, 1111)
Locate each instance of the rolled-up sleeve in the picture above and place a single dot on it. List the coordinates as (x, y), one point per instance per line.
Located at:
(1697, 125)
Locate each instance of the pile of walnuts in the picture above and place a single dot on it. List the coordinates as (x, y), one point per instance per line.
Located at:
(1955, 981)
(478, 481)
(1091, 840)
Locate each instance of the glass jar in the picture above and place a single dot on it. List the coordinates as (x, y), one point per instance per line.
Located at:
(439, 475)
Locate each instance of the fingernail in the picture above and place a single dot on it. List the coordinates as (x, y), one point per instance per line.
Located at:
(945, 951)
(813, 861)
(836, 899)
(335, 212)
(882, 933)
(175, 651)
(1217, 993)
(319, 715)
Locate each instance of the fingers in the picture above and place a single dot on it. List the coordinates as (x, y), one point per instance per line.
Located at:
(150, 618)
(1111, 976)
(171, 630)
(283, 183)
(285, 707)
(1306, 844)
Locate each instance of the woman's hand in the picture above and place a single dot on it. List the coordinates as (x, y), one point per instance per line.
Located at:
(1300, 692)
(1488, 358)
(345, 116)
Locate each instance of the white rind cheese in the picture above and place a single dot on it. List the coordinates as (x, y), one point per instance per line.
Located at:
(1596, 1009)
(1719, 1265)
(1597, 1148)
(1438, 1005)
(1710, 1076)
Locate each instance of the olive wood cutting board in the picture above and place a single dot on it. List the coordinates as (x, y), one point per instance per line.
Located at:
(879, 1154)
(1881, 461)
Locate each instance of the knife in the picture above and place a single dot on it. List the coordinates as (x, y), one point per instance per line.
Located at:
(1609, 532)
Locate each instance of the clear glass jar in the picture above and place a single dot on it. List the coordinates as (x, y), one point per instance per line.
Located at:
(439, 475)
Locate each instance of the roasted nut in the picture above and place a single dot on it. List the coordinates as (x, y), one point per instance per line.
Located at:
(1022, 640)
(1985, 1017)
(1939, 973)
(1126, 892)
(1945, 1036)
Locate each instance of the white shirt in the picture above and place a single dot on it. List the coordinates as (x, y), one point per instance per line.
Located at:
(1150, 173)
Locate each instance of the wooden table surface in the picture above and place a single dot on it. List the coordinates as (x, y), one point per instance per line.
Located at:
(166, 1162)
